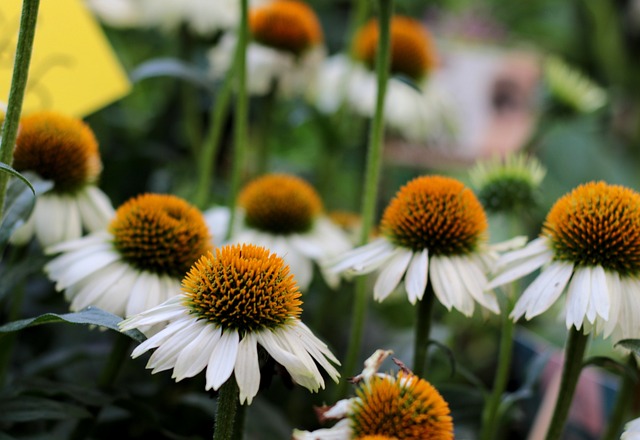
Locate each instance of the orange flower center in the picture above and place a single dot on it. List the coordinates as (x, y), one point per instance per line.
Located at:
(280, 204)
(402, 407)
(413, 52)
(242, 287)
(160, 234)
(287, 25)
(58, 148)
(437, 213)
(597, 224)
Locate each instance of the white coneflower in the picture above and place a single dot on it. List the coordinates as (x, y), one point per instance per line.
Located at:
(63, 150)
(401, 406)
(433, 231)
(285, 214)
(137, 262)
(285, 52)
(233, 301)
(590, 245)
(416, 111)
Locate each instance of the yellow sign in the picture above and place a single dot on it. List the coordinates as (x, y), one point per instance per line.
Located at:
(73, 68)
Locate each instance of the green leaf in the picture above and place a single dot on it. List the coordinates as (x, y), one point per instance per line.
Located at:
(9, 170)
(32, 408)
(173, 68)
(632, 345)
(88, 316)
(19, 202)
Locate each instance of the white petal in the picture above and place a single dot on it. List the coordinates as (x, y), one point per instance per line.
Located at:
(448, 286)
(317, 349)
(415, 280)
(25, 233)
(166, 311)
(95, 208)
(114, 298)
(145, 283)
(475, 282)
(68, 269)
(247, 368)
(522, 268)
(159, 338)
(87, 292)
(95, 239)
(390, 276)
(222, 359)
(544, 290)
(73, 224)
(364, 259)
(194, 357)
(339, 431)
(166, 355)
(600, 292)
(616, 303)
(578, 298)
(536, 247)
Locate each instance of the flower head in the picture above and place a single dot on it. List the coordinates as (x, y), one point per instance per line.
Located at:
(571, 88)
(285, 214)
(591, 243)
(58, 148)
(288, 25)
(509, 184)
(63, 150)
(280, 204)
(159, 233)
(400, 406)
(413, 53)
(232, 300)
(434, 230)
(137, 262)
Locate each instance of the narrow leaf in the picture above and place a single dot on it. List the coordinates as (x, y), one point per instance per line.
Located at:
(88, 316)
(173, 68)
(8, 169)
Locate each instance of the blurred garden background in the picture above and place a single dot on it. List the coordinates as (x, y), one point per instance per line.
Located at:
(556, 81)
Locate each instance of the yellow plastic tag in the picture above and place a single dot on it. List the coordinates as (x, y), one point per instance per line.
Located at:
(73, 68)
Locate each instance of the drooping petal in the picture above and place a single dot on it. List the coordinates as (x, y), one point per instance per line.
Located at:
(390, 276)
(544, 290)
(578, 298)
(194, 356)
(160, 337)
(415, 280)
(364, 259)
(521, 269)
(222, 359)
(95, 208)
(600, 296)
(247, 368)
(447, 284)
(166, 354)
(475, 282)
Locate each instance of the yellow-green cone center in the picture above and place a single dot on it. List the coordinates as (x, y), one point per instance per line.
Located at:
(160, 233)
(435, 213)
(242, 287)
(597, 225)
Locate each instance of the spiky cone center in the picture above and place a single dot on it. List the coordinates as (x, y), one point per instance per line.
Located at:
(376, 437)
(242, 287)
(402, 407)
(58, 148)
(435, 213)
(160, 233)
(597, 224)
(286, 25)
(280, 204)
(413, 52)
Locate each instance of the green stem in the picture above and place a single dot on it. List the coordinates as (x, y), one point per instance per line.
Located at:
(241, 114)
(424, 312)
(626, 391)
(228, 404)
(264, 144)
(24, 48)
(574, 353)
(372, 177)
(490, 425)
(207, 160)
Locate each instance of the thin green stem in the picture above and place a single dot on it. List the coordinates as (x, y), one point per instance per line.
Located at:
(574, 354)
(209, 151)
(266, 128)
(24, 48)
(626, 391)
(424, 312)
(372, 177)
(490, 423)
(241, 114)
(228, 404)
